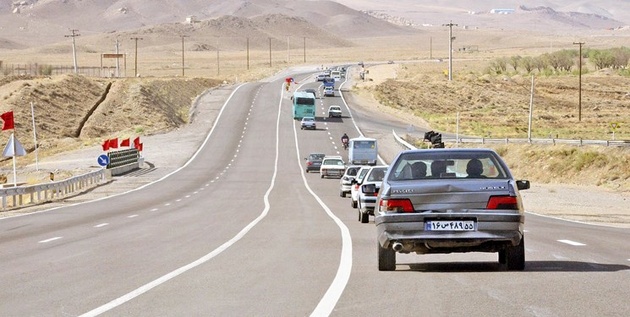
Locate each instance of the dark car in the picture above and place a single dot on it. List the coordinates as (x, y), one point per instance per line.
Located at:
(447, 201)
(311, 90)
(314, 161)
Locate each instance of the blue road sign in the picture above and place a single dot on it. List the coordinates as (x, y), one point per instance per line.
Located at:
(103, 160)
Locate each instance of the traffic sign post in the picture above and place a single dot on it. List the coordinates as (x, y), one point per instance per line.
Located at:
(614, 126)
(103, 160)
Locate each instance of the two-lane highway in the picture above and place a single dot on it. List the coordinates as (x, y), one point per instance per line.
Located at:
(242, 230)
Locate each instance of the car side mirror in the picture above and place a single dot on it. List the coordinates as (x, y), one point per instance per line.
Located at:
(522, 184)
(369, 189)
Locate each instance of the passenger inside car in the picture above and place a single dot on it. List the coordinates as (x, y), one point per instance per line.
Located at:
(377, 175)
(437, 168)
(418, 170)
(474, 168)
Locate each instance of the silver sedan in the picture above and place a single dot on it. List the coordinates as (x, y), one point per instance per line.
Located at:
(450, 200)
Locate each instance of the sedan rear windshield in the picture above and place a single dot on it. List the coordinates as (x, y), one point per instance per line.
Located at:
(445, 164)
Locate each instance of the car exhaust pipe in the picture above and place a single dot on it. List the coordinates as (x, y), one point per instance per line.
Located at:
(397, 246)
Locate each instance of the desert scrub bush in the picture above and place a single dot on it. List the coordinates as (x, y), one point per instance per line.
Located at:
(45, 70)
(583, 160)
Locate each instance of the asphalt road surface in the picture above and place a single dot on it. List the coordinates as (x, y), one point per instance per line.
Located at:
(242, 230)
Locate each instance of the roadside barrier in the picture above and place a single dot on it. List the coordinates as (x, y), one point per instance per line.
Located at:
(21, 196)
(578, 142)
(123, 161)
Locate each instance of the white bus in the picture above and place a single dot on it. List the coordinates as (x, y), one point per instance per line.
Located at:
(362, 151)
(335, 74)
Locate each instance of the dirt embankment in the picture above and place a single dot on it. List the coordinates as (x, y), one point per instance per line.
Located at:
(72, 111)
(498, 107)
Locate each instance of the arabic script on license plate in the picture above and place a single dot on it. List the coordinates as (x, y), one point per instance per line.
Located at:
(449, 225)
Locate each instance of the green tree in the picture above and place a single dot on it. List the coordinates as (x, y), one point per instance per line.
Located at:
(515, 61)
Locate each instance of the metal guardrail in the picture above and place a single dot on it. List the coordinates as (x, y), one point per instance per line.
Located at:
(13, 197)
(578, 142)
(120, 162)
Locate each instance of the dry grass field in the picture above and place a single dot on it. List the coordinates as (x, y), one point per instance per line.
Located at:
(177, 61)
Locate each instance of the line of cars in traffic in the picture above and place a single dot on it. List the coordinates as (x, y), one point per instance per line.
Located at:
(432, 200)
(439, 201)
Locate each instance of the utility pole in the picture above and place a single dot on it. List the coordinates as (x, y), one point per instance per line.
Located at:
(74, 49)
(288, 49)
(270, 64)
(218, 69)
(580, 82)
(183, 36)
(248, 53)
(117, 60)
(135, 67)
(304, 49)
(450, 49)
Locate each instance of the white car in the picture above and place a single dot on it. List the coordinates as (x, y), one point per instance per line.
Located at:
(345, 183)
(332, 166)
(329, 91)
(367, 201)
(334, 111)
(356, 183)
(308, 123)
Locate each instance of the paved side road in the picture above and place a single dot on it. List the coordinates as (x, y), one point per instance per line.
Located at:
(163, 154)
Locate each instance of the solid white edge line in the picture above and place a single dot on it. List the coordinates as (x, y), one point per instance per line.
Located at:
(336, 288)
(145, 288)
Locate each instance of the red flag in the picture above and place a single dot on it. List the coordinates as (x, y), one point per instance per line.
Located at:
(136, 142)
(125, 142)
(113, 143)
(7, 117)
(105, 145)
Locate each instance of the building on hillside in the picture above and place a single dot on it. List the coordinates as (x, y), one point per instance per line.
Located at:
(191, 19)
(502, 11)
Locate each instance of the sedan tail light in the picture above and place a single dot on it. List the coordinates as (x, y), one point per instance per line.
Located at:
(396, 205)
(502, 202)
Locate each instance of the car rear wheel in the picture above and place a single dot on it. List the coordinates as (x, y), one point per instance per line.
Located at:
(353, 203)
(342, 193)
(515, 256)
(386, 258)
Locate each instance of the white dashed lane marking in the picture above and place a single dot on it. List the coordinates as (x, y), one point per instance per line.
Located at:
(573, 243)
(49, 240)
(101, 225)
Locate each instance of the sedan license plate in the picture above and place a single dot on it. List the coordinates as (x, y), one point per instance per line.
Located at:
(450, 225)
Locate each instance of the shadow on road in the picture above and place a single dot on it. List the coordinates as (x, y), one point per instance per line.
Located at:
(530, 266)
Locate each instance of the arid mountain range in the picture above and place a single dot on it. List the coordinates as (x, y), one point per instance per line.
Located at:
(32, 23)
